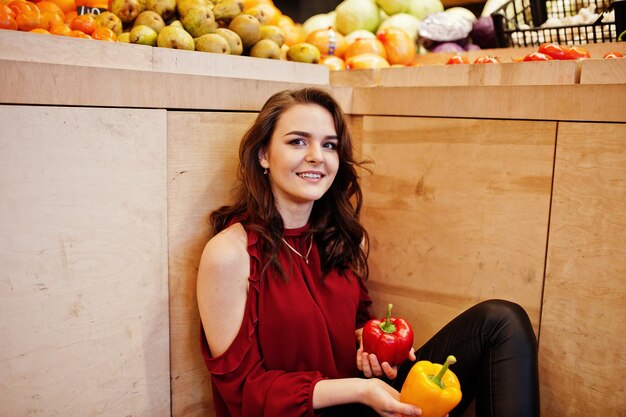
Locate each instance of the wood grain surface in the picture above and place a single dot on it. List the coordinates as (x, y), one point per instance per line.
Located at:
(31, 47)
(579, 102)
(603, 71)
(506, 73)
(83, 288)
(583, 332)
(457, 212)
(203, 155)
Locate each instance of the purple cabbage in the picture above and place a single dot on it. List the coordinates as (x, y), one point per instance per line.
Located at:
(448, 47)
(483, 33)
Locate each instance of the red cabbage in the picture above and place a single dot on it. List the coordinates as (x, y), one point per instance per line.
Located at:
(448, 47)
(483, 33)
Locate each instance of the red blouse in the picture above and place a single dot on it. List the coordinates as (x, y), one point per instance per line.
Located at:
(293, 335)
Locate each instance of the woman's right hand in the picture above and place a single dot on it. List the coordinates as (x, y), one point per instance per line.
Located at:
(385, 400)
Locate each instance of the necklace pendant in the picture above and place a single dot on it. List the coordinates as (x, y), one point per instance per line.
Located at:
(305, 258)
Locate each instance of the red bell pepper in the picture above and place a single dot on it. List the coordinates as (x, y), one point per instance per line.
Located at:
(576, 52)
(537, 56)
(457, 59)
(554, 50)
(390, 339)
(486, 60)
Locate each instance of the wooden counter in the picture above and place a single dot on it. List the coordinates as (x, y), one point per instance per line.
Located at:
(113, 155)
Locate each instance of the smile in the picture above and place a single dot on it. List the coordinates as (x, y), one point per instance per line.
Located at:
(312, 175)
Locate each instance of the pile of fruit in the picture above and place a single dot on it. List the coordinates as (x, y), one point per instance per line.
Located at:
(357, 34)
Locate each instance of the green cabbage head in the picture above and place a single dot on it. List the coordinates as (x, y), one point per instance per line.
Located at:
(422, 8)
(357, 14)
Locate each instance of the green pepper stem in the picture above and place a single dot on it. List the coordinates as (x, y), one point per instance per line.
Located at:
(437, 378)
(387, 326)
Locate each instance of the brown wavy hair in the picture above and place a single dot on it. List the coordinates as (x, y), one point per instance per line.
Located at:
(342, 241)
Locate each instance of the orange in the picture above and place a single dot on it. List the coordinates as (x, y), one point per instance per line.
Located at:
(99, 4)
(6, 9)
(31, 19)
(19, 6)
(69, 16)
(62, 29)
(290, 29)
(366, 61)
(334, 63)
(65, 5)
(7, 22)
(85, 23)
(268, 11)
(323, 39)
(78, 34)
(252, 3)
(399, 46)
(48, 6)
(365, 46)
(104, 34)
(53, 18)
(39, 30)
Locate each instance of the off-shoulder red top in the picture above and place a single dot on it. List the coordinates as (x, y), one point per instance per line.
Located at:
(293, 335)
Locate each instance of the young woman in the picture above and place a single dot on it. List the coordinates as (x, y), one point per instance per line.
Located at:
(282, 297)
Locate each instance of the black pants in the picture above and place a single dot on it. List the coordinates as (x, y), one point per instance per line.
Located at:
(496, 353)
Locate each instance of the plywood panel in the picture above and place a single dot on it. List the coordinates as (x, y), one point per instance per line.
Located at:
(202, 163)
(59, 84)
(529, 102)
(33, 47)
(520, 73)
(583, 332)
(511, 73)
(457, 212)
(193, 62)
(83, 288)
(603, 71)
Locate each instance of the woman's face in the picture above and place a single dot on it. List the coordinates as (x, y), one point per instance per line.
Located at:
(301, 157)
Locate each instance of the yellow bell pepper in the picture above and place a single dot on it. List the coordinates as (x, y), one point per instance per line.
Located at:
(432, 387)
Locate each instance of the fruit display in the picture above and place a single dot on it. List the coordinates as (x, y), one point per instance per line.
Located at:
(256, 28)
(236, 27)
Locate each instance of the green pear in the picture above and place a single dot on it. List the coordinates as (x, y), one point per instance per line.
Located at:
(283, 52)
(248, 28)
(212, 42)
(124, 37)
(304, 52)
(265, 48)
(183, 5)
(111, 21)
(150, 19)
(226, 10)
(234, 41)
(199, 22)
(175, 38)
(259, 13)
(274, 33)
(126, 10)
(177, 23)
(143, 35)
(165, 8)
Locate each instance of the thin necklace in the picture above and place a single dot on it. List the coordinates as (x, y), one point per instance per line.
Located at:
(305, 257)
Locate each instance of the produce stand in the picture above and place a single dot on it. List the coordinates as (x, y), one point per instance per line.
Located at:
(114, 154)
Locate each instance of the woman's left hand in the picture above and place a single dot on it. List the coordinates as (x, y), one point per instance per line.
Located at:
(369, 365)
